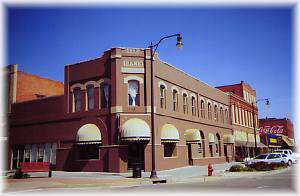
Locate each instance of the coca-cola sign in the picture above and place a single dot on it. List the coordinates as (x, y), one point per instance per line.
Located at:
(276, 129)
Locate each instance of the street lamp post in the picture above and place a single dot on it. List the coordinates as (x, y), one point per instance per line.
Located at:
(153, 49)
(254, 128)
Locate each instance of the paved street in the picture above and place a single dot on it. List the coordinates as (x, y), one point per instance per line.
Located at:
(274, 181)
(278, 182)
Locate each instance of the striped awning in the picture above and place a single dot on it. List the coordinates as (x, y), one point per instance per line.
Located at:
(135, 129)
(192, 136)
(88, 134)
(287, 141)
(211, 138)
(169, 133)
(228, 139)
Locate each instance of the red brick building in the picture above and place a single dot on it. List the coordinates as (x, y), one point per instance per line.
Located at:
(102, 120)
(241, 98)
(283, 128)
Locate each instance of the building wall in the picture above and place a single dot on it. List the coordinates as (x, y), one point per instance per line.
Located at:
(117, 67)
(286, 124)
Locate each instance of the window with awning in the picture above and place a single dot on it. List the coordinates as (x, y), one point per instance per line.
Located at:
(169, 138)
(88, 140)
(88, 134)
(192, 136)
(228, 139)
(169, 133)
(135, 129)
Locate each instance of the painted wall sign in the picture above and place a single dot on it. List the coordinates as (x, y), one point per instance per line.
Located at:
(276, 129)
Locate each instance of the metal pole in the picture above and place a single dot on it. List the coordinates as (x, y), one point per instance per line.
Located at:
(254, 128)
(153, 171)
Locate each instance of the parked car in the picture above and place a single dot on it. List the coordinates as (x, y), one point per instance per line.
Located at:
(290, 154)
(269, 158)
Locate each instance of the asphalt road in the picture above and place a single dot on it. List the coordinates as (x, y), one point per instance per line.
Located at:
(282, 182)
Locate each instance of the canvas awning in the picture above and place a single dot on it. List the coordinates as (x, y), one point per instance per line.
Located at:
(228, 139)
(261, 145)
(211, 138)
(169, 133)
(240, 143)
(88, 134)
(287, 141)
(135, 129)
(192, 136)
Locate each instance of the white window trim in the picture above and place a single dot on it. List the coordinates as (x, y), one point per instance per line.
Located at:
(139, 79)
(161, 83)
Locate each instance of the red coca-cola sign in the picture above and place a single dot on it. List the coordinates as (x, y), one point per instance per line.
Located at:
(276, 129)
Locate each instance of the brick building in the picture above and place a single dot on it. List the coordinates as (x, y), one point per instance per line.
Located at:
(277, 133)
(102, 120)
(242, 96)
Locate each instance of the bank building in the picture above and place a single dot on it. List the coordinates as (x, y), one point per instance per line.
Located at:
(99, 118)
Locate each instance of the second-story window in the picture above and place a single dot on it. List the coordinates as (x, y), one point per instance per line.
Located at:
(133, 93)
(193, 106)
(185, 105)
(90, 97)
(202, 108)
(162, 95)
(216, 112)
(221, 114)
(209, 111)
(175, 100)
(77, 99)
(226, 115)
(105, 95)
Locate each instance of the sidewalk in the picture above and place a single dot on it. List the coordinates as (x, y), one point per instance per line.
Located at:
(62, 179)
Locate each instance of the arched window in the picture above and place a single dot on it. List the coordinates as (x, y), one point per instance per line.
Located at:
(222, 114)
(162, 95)
(216, 112)
(226, 115)
(209, 111)
(193, 106)
(90, 97)
(133, 93)
(185, 104)
(218, 144)
(105, 95)
(202, 109)
(175, 100)
(77, 99)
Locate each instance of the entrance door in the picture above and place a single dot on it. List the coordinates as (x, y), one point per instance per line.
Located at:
(136, 154)
(225, 153)
(190, 154)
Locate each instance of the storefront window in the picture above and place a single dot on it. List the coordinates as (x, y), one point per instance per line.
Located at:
(40, 154)
(170, 149)
(88, 151)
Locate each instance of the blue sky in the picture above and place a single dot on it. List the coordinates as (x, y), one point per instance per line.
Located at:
(222, 45)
